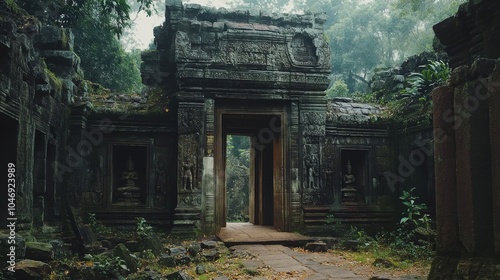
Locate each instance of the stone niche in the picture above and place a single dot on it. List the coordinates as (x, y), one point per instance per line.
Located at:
(130, 178)
(355, 176)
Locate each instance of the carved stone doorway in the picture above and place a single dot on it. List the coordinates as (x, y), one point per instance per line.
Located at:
(267, 192)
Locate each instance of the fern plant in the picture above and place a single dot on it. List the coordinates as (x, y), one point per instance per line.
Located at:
(420, 85)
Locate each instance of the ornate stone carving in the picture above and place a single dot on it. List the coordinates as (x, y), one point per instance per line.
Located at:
(190, 200)
(302, 51)
(313, 123)
(311, 163)
(182, 45)
(187, 174)
(190, 120)
(188, 163)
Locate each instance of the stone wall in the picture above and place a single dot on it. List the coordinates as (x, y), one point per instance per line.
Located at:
(39, 80)
(466, 126)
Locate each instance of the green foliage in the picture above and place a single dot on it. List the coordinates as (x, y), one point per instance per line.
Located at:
(368, 34)
(402, 244)
(97, 25)
(96, 226)
(104, 61)
(12, 5)
(54, 81)
(113, 15)
(433, 74)
(338, 89)
(414, 220)
(413, 211)
(108, 265)
(237, 178)
(143, 229)
(403, 247)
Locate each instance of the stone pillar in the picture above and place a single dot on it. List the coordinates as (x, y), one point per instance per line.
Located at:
(473, 165)
(295, 207)
(208, 184)
(25, 160)
(447, 240)
(73, 162)
(190, 126)
(494, 105)
(312, 119)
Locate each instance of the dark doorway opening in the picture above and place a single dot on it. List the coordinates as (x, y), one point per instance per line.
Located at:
(39, 177)
(50, 210)
(8, 148)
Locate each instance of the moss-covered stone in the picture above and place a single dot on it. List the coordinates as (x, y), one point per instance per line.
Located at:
(39, 251)
(54, 81)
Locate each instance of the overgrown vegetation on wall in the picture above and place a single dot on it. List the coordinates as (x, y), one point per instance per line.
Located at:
(96, 25)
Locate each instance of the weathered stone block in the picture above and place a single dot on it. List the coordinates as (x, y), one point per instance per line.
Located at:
(61, 57)
(316, 246)
(179, 275)
(459, 75)
(208, 244)
(208, 38)
(195, 39)
(167, 260)
(123, 253)
(32, 270)
(152, 243)
(39, 251)
(482, 67)
(56, 38)
(218, 26)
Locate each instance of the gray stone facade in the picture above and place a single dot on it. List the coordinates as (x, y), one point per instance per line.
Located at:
(160, 155)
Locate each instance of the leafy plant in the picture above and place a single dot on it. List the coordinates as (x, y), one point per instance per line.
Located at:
(413, 211)
(338, 89)
(413, 215)
(107, 265)
(433, 74)
(143, 229)
(97, 226)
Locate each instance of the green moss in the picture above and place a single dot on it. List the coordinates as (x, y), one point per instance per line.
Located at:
(157, 101)
(12, 5)
(54, 81)
(97, 89)
(64, 38)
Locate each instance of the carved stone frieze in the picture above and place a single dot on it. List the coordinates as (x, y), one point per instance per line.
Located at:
(313, 123)
(190, 120)
(189, 200)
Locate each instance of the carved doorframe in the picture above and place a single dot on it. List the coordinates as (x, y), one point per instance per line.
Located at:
(281, 190)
